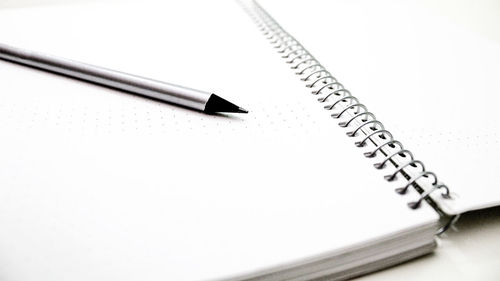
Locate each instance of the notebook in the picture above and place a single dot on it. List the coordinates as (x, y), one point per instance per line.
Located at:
(438, 60)
(99, 184)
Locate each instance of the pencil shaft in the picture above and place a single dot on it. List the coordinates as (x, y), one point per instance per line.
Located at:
(170, 93)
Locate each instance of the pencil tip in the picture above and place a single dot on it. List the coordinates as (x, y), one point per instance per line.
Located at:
(242, 110)
(218, 104)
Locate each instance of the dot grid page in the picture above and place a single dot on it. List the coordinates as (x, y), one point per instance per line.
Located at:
(428, 71)
(99, 184)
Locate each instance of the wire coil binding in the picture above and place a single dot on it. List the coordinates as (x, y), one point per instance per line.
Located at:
(322, 82)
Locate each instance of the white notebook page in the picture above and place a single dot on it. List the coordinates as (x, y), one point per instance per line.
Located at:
(98, 184)
(427, 70)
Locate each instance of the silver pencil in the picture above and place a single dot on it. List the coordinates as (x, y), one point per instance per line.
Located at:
(170, 93)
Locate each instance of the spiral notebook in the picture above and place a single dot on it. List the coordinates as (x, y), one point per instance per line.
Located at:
(98, 184)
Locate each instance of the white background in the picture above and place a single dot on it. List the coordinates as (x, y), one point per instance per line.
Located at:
(471, 251)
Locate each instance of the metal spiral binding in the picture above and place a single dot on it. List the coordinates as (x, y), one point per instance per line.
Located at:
(324, 83)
